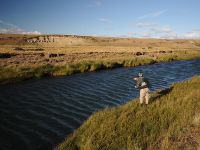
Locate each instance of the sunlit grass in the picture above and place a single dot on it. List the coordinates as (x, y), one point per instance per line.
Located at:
(12, 74)
(163, 124)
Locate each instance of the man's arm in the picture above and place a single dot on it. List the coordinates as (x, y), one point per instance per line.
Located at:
(147, 82)
(136, 79)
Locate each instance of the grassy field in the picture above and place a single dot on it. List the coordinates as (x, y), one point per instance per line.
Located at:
(27, 56)
(171, 121)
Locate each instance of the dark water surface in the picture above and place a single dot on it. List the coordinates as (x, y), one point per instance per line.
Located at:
(38, 114)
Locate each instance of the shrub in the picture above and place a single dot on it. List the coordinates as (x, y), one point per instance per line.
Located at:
(18, 49)
(39, 49)
(5, 55)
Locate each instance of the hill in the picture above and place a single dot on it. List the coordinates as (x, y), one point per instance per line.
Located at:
(75, 40)
(171, 121)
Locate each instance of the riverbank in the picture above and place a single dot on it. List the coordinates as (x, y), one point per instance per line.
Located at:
(18, 73)
(170, 121)
(26, 56)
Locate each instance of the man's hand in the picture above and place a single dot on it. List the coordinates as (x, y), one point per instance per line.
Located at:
(135, 79)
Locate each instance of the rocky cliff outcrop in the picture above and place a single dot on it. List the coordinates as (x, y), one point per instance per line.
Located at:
(40, 39)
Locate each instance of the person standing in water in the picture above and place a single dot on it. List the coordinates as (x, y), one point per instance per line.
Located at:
(143, 84)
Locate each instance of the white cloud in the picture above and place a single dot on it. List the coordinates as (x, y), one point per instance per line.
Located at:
(132, 33)
(157, 32)
(162, 30)
(98, 2)
(165, 33)
(169, 36)
(95, 3)
(147, 34)
(144, 24)
(17, 31)
(106, 20)
(7, 24)
(129, 34)
(191, 35)
(10, 28)
(153, 14)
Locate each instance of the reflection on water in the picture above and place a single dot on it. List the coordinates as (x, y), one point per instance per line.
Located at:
(38, 114)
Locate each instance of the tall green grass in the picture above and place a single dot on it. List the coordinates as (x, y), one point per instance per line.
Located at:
(165, 124)
(14, 74)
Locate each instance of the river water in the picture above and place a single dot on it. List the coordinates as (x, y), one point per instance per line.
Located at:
(38, 114)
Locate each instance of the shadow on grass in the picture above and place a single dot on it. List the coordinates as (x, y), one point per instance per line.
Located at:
(161, 93)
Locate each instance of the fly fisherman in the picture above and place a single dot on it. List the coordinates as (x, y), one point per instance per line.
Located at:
(143, 84)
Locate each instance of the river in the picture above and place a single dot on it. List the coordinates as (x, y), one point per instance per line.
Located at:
(38, 114)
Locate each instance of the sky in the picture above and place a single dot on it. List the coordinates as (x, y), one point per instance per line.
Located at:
(117, 18)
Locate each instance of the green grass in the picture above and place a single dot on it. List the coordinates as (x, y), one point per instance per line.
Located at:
(13, 74)
(8, 75)
(171, 121)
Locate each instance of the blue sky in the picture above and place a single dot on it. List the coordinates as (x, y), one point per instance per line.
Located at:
(121, 18)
